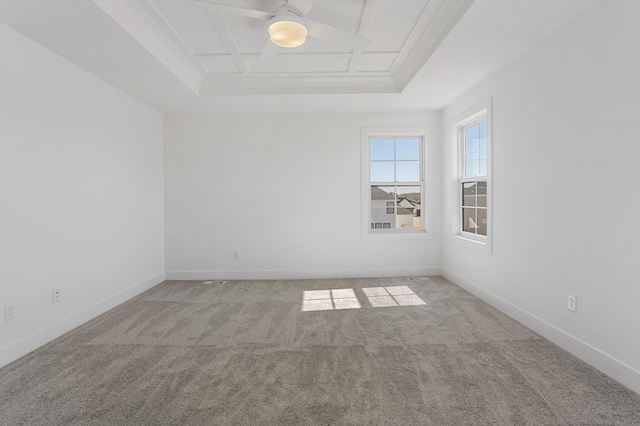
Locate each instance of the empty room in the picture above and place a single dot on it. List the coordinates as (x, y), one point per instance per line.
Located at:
(306, 212)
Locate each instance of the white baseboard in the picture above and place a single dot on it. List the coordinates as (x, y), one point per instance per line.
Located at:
(614, 368)
(292, 274)
(23, 346)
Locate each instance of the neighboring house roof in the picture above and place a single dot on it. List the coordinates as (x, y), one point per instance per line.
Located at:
(379, 194)
(406, 202)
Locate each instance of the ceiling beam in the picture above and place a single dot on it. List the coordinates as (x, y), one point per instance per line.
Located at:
(366, 22)
(222, 26)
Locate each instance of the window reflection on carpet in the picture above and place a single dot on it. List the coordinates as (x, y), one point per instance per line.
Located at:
(400, 295)
(327, 300)
(345, 298)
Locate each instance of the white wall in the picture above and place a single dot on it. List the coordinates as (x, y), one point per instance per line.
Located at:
(81, 195)
(284, 190)
(565, 205)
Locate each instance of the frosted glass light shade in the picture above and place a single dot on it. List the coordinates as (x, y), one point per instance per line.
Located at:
(287, 34)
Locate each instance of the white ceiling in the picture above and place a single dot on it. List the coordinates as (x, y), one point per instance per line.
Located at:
(216, 50)
(181, 58)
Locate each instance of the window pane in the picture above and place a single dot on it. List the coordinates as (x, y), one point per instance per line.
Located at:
(381, 198)
(409, 208)
(482, 169)
(405, 219)
(471, 138)
(482, 222)
(469, 194)
(472, 164)
(469, 220)
(408, 171)
(381, 149)
(482, 194)
(483, 134)
(380, 215)
(382, 171)
(408, 149)
(380, 195)
(410, 192)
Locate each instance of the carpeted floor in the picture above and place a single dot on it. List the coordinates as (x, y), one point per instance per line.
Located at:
(244, 352)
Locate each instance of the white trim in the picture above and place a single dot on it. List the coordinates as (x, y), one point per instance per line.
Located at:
(472, 116)
(593, 356)
(426, 205)
(26, 344)
(441, 17)
(282, 274)
(467, 241)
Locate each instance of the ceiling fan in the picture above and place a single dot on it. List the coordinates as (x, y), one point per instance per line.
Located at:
(289, 26)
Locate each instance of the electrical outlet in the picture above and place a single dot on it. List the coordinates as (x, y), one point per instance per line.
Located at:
(55, 295)
(9, 311)
(236, 254)
(572, 303)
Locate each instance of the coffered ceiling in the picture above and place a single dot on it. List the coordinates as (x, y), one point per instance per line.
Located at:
(215, 50)
(181, 58)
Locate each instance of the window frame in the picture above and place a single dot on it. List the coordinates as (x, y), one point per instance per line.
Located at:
(426, 183)
(464, 179)
(473, 116)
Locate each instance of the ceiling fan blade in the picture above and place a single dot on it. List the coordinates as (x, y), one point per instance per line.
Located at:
(302, 6)
(335, 35)
(234, 10)
(268, 52)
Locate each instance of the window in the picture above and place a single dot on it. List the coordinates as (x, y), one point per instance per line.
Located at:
(395, 174)
(386, 225)
(474, 179)
(472, 132)
(390, 207)
(394, 181)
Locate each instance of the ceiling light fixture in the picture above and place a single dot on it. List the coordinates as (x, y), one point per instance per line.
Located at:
(287, 33)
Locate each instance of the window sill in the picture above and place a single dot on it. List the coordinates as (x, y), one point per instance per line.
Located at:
(482, 245)
(397, 235)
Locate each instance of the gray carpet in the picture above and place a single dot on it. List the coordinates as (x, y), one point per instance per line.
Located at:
(244, 352)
